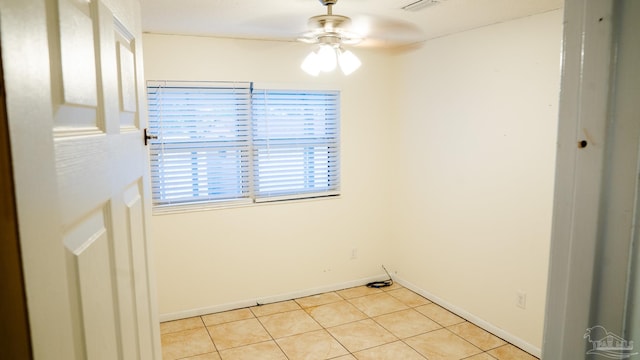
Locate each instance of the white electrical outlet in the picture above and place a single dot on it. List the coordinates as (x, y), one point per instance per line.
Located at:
(521, 299)
(354, 253)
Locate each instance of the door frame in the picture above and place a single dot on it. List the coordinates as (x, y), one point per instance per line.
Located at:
(588, 264)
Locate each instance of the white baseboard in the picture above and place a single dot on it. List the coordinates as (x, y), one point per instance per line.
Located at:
(533, 350)
(501, 333)
(267, 299)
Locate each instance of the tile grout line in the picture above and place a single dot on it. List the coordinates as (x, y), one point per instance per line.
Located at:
(398, 339)
(271, 335)
(210, 336)
(403, 340)
(322, 327)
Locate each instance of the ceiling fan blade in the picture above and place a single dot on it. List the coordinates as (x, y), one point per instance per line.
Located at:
(361, 30)
(381, 31)
(308, 40)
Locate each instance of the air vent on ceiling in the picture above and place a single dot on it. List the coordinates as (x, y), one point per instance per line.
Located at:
(420, 4)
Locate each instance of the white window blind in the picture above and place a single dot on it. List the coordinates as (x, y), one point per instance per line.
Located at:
(203, 145)
(295, 143)
(219, 143)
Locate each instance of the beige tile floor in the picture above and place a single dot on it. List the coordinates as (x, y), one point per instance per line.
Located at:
(358, 323)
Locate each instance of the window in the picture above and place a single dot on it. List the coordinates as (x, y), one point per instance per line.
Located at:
(295, 143)
(224, 143)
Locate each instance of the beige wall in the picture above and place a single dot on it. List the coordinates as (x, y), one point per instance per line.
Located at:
(474, 168)
(447, 172)
(226, 257)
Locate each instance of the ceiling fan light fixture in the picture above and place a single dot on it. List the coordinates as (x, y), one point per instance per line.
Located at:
(348, 62)
(311, 64)
(327, 58)
(330, 32)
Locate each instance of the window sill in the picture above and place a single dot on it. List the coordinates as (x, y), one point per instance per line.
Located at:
(209, 206)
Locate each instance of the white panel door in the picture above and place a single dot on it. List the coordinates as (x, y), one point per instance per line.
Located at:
(74, 88)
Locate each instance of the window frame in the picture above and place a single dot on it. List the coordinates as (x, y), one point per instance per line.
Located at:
(310, 142)
(251, 199)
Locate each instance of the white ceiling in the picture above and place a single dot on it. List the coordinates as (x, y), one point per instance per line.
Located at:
(382, 21)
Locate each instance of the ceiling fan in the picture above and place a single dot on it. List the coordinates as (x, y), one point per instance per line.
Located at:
(330, 32)
(330, 28)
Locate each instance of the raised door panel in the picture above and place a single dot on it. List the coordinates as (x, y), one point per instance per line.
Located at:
(91, 286)
(73, 66)
(135, 317)
(128, 99)
(136, 236)
(125, 283)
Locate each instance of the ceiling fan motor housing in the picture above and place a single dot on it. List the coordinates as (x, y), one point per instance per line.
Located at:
(330, 29)
(329, 22)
